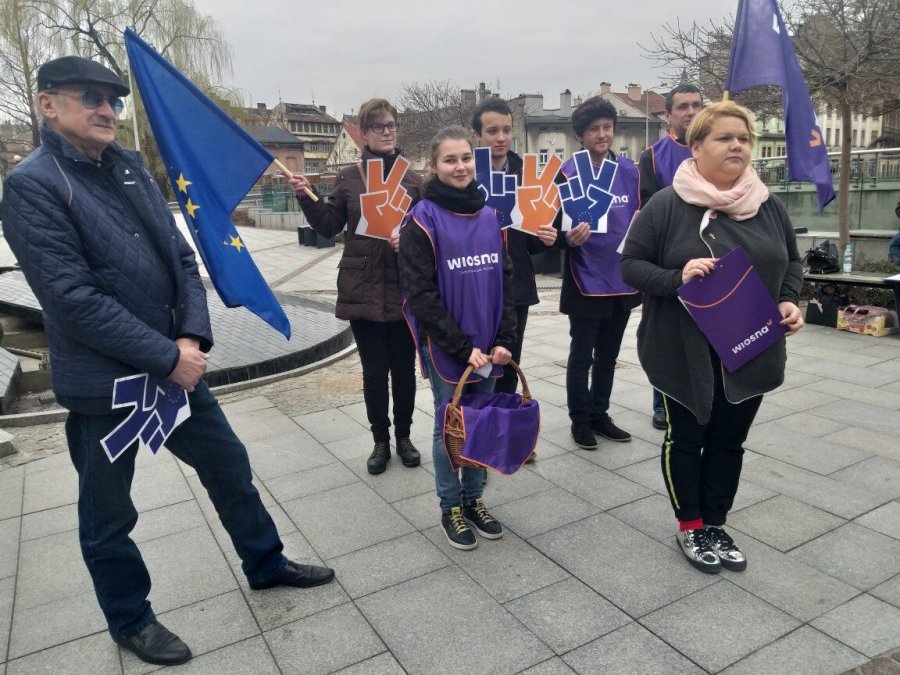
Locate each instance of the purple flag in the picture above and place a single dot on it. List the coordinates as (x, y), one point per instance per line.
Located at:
(762, 55)
(734, 310)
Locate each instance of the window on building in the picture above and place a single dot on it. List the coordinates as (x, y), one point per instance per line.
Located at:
(874, 136)
(855, 138)
(765, 151)
(780, 151)
(543, 157)
(559, 152)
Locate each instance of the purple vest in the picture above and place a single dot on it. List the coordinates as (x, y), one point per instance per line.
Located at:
(667, 155)
(468, 261)
(595, 264)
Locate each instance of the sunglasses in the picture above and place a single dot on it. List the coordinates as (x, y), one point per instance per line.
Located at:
(94, 99)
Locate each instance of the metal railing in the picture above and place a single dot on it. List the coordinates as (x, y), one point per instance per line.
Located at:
(868, 168)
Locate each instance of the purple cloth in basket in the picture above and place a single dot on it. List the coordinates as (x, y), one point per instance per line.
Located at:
(501, 431)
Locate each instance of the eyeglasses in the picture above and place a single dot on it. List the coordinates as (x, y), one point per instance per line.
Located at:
(94, 99)
(390, 127)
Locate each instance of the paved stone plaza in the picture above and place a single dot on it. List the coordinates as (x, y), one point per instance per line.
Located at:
(587, 578)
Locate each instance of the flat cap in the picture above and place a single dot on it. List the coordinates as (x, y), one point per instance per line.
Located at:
(78, 70)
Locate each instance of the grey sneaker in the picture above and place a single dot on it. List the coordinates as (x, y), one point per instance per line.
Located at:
(698, 550)
(729, 554)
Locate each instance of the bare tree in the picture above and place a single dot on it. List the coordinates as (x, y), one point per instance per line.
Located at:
(427, 107)
(849, 51)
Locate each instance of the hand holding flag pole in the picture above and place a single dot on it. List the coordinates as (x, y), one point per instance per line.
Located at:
(289, 174)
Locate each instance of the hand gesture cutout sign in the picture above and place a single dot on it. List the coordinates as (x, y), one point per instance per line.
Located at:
(537, 199)
(499, 188)
(385, 202)
(586, 196)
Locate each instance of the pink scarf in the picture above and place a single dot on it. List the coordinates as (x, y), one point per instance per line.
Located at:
(741, 202)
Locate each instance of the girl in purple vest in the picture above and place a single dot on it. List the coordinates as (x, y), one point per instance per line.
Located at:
(456, 278)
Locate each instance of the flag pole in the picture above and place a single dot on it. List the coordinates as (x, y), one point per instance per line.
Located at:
(287, 172)
(725, 95)
(137, 139)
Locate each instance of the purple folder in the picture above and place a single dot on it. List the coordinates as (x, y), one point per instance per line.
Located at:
(734, 310)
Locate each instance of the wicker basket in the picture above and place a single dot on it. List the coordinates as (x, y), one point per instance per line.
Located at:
(454, 430)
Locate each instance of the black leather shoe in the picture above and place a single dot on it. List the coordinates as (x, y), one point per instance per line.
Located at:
(407, 452)
(659, 420)
(301, 576)
(156, 644)
(378, 460)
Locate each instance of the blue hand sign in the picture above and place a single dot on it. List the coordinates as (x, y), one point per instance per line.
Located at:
(586, 196)
(158, 406)
(499, 188)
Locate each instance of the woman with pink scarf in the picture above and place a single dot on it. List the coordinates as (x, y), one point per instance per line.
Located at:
(716, 203)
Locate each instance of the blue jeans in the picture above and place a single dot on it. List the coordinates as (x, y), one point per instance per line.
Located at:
(106, 513)
(658, 402)
(453, 488)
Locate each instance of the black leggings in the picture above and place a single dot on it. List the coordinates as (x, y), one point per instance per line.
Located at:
(387, 347)
(701, 463)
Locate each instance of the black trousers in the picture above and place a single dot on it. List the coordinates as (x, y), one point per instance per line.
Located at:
(593, 349)
(510, 381)
(387, 347)
(701, 463)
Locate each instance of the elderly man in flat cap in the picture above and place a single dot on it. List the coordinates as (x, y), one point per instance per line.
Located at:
(121, 295)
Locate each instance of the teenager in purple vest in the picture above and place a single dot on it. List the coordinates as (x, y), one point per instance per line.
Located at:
(594, 296)
(658, 165)
(369, 289)
(456, 278)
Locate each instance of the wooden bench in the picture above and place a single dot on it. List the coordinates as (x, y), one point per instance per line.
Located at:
(865, 279)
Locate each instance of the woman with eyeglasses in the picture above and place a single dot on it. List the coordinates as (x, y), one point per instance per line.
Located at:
(368, 286)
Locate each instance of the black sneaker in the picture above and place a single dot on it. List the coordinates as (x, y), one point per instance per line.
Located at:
(729, 554)
(458, 533)
(698, 550)
(378, 460)
(407, 452)
(605, 427)
(583, 437)
(659, 420)
(531, 458)
(484, 523)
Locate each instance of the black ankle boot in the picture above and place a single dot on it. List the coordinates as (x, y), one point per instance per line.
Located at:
(378, 460)
(407, 452)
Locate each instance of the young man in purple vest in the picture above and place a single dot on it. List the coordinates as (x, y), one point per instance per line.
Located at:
(658, 165)
(593, 295)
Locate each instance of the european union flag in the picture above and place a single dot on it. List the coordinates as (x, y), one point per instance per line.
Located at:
(762, 55)
(212, 163)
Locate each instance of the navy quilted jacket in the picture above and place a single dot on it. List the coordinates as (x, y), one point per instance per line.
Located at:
(115, 291)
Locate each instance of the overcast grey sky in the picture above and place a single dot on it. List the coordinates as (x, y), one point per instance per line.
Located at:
(345, 51)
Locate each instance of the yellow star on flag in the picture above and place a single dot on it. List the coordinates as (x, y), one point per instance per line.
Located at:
(236, 242)
(191, 208)
(182, 183)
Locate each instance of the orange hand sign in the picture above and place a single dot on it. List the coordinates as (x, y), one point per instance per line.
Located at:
(385, 201)
(537, 199)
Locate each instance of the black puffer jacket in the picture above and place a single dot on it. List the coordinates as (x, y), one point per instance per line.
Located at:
(116, 288)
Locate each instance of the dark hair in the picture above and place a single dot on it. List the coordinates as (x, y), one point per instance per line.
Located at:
(683, 88)
(454, 133)
(497, 105)
(593, 109)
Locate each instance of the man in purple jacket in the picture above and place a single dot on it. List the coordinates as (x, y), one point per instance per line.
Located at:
(121, 295)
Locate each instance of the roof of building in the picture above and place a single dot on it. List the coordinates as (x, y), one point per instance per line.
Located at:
(657, 103)
(354, 132)
(273, 135)
(305, 112)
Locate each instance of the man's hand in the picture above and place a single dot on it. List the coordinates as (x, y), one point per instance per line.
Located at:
(579, 234)
(500, 356)
(191, 364)
(547, 235)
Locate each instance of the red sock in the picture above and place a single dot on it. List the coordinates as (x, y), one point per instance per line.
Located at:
(684, 525)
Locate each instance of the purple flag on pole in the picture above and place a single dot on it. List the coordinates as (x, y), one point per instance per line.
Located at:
(762, 55)
(733, 309)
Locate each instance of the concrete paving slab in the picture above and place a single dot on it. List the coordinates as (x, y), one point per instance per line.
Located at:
(865, 624)
(422, 511)
(838, 554)
(205, 626)
(882, 444)
(95, 654)
(51, 488)
(383, 664)
(323, 643)
(262, 424)
(543, 512)
(567, 615)
(647, 473)
(786, 583)
(614, 456)
(506, 568)
(592, 483)
(889, 591)
(701, 634)
(168, 520)
(287, 453)
(855, 392)
(12, 482)
(784, 523)
(330, 425)
(386, 564)
(524, 483)
(651, 515)
(345, 519)
(40, 583)
(409, 617)
(631, 650)
(52, 521)
(805, 651)
(397, 481)
(879, 475)
(803, 423)
(159, 484)
(250, 657)
(554, 666)
(310, 481)
(816, 455)
(9, 546)
(860, 414)
(358, 447)
(54, 623)
(7, 589)
(638, 574)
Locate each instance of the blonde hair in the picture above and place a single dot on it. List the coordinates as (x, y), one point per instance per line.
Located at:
(703, 122)
(373, 109)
